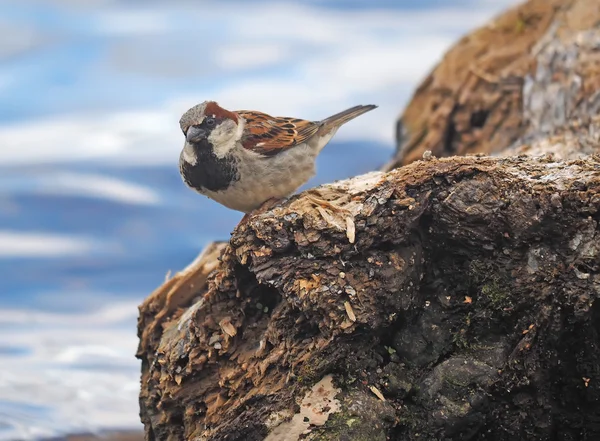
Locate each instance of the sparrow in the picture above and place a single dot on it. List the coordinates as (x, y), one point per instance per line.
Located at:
(243, 159)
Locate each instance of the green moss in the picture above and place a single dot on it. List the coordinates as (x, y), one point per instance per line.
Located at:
(453, 382)
(311, 371)
(306, 376)
(478, 272)
(342, 425)
(460, 339)
(498, 296)
(410, 420)
(362, 417)
(520, 25)
(351, 421)
(523, 22)
(491, 286)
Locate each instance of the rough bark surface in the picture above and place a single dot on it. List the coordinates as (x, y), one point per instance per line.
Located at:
(449, 299)
(485, 95)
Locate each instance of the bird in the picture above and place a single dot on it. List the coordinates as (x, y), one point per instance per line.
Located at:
(247, 160)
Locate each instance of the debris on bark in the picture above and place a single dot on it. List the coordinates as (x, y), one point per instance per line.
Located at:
(465, 309)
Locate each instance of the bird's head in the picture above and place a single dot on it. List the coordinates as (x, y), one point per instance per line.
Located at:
(209, 126)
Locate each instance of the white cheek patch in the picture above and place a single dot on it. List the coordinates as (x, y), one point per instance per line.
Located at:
(225, 137)
(189, 155)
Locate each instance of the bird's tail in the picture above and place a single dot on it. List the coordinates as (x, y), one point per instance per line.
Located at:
(343, 117)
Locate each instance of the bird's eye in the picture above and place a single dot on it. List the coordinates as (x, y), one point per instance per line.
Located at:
(210, 122)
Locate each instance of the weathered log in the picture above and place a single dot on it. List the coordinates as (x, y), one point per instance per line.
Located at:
(486, 94)
(448, 299)
(451, 299)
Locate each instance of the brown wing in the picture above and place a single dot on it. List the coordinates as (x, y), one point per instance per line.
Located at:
(269, 135)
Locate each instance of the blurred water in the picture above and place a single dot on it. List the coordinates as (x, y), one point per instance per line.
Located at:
(92, 210)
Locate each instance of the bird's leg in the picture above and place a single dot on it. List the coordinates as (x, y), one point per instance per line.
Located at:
(267, 205)
(244, 219)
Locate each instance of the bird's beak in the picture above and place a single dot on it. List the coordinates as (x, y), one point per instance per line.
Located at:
(195, 134)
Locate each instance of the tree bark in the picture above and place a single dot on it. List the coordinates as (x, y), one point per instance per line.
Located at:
(486, 94)
(449, 299)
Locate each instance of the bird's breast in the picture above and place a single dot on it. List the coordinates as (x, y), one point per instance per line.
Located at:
(209, 172)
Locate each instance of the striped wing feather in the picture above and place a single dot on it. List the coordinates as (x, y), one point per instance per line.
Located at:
(269, 135)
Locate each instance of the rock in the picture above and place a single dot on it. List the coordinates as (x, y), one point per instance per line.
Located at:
(523, 73)
(474, 312)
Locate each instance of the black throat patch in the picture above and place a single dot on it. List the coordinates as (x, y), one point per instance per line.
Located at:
(210, 173)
